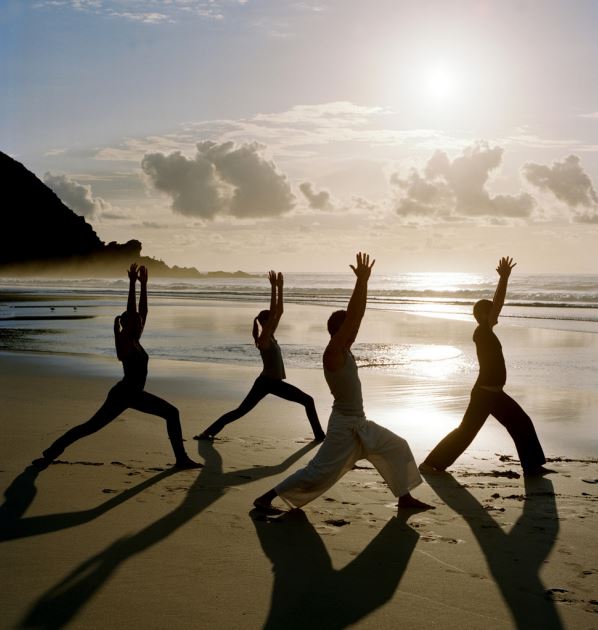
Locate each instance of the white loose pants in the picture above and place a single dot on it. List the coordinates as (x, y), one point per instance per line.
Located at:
(349, 439)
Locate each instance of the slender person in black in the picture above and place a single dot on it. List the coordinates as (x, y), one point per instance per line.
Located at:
(271, 379)
(129, 392)
(487, 395)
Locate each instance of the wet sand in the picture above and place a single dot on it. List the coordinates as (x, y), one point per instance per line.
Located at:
(111, 537)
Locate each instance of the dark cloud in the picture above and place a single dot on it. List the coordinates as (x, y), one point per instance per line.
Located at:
(221, 179)
(453, 189)
(192, 183)
(569, 183)
(76, 196)
(317, 200)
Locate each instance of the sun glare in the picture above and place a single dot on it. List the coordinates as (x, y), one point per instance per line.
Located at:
(441, 84)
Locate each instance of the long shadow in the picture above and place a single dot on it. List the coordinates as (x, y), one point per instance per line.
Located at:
(309, 593)
(21, 492)
(514, 559)
(62, 602)
(18, 497)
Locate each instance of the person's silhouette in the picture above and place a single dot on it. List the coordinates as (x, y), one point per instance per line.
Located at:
(271, 379)
(487, 395)
(21, 492)
(309, 593)
(128, 393)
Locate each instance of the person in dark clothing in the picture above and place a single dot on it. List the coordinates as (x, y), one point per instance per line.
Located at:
(129, 392)
(487, 395)
(271, 379)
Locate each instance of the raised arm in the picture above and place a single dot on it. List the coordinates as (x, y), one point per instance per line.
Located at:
(355, 310)
(131, 305)
(119, 343)
(279, 298)
(143, 294)
(505, 265)
(275, 309)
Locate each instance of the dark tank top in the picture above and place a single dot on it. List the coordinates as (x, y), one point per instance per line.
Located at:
(272, 358)
(493, 372)
(135, 367)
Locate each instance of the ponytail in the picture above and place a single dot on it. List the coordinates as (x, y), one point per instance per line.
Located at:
(255, 331)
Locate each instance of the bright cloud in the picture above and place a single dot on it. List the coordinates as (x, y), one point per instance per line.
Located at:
(295, 132)
(145, 11)
(456, 189)
(569, 183)
(76, 196)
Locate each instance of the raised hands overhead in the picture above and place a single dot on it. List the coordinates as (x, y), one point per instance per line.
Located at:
(272, 277)
(279, 280)
(142, 274)
(363, 269)
(133, 272)
(505, 265)
(343, 338)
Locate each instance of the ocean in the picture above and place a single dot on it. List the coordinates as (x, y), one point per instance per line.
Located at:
(75, 315)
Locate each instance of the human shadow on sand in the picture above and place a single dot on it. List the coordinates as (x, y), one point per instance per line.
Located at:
(514, 558)
(309, 592)
(59, 605)
(21, 492)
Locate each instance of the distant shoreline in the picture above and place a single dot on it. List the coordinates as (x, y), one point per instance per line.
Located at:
(59, 273)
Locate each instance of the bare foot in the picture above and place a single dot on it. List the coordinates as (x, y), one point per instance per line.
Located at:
(186, 464)
(266, 507)
(538, 472)
(204, 436)
(411, 503)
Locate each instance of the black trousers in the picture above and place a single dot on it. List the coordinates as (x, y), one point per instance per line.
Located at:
(261, 388)
(119, 398)
(482, 404)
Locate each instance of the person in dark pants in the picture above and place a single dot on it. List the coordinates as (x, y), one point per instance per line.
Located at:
(487, 395)
(271, 379)
(129, 392)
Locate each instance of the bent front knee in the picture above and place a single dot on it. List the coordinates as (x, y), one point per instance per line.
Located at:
(308, 401)
(172, 414)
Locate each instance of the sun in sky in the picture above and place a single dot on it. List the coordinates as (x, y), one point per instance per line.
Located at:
(441, 84)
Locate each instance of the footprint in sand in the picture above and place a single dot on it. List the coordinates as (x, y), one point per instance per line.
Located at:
(122, 465)
(337, 522)
(62, 461)
(433, 538)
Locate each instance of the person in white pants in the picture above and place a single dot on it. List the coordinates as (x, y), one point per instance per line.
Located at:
(350, 435)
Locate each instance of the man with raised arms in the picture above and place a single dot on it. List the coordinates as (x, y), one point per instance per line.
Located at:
(350, 435)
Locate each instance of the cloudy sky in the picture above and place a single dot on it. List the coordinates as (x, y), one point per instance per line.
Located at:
(248, 134)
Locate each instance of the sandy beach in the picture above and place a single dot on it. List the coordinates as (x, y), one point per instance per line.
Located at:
(111, 537)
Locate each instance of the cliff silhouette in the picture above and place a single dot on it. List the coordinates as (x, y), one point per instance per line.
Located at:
(43, 236)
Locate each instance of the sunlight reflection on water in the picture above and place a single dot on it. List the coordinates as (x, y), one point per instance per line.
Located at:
(415, 359)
